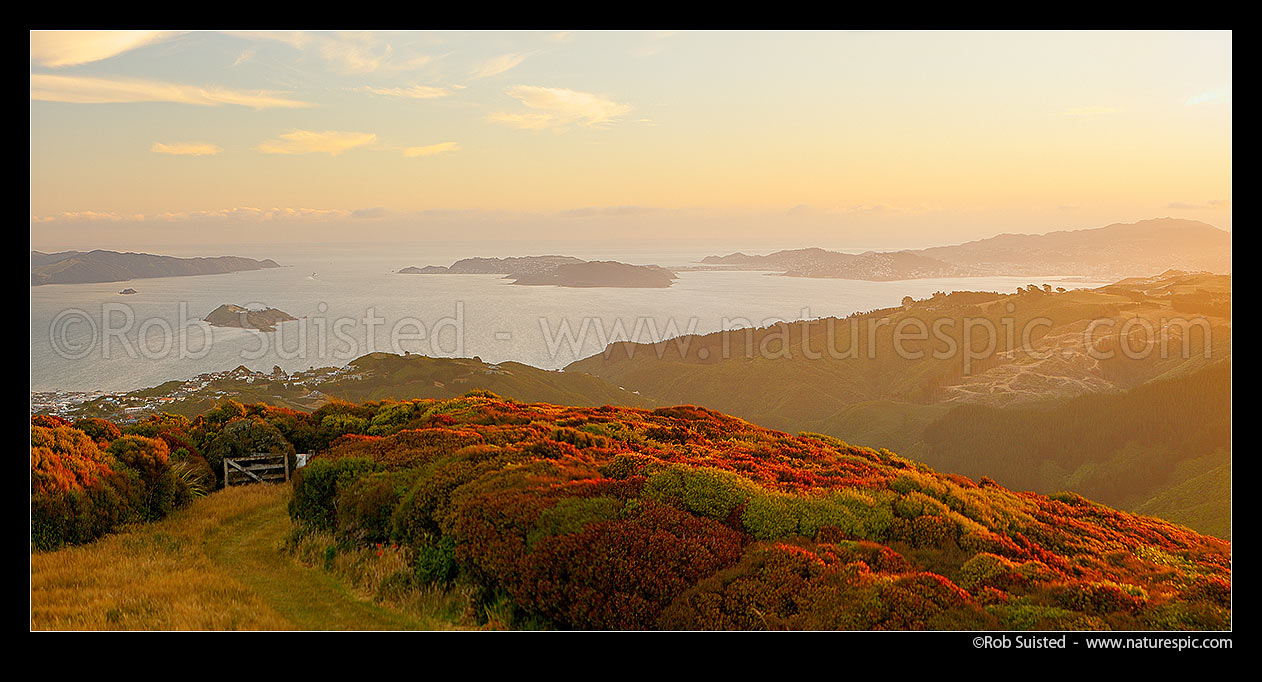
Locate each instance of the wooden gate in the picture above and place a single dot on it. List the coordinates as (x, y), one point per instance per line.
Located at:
(256, 469)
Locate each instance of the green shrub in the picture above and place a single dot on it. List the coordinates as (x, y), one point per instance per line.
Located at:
(365, 506)
(316, 486)
(713, 493)
(161, 489)
(436, 562)
(335, 425)
(625, 464)
(773, 516)
(572, 514)
(985, 569)
(391, 418)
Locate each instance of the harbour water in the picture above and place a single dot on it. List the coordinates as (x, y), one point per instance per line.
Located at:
(87, 337)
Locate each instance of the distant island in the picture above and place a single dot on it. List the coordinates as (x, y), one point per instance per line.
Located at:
(1111, 252)
(521, 265)
(602, 274)
(128, 291)
(561, 271)
(229, 315)
(80, 267)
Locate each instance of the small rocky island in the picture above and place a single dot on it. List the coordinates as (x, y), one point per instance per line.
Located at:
(229, 315)
(128, 291)
(561, 271)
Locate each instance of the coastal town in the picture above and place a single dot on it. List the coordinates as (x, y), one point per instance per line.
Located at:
(299, 389)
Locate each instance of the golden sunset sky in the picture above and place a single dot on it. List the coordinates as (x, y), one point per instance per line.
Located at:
(837, 139)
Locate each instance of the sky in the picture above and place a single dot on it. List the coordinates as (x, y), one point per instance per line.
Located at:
(789, 139)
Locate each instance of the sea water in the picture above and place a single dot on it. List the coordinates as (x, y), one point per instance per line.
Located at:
(350, 301)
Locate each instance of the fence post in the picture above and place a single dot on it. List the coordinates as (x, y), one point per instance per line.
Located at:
(225, 472)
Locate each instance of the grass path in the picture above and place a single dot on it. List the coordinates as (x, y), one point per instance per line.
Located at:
(215, 565)
(248, 548)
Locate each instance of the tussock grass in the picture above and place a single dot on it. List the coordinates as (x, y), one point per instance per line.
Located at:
(154, 576)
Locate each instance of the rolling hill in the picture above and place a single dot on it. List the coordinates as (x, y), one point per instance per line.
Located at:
(1111, 252)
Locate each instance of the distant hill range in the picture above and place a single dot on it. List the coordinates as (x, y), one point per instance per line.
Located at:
(1112, 252)
(82, 267)
(561, 271)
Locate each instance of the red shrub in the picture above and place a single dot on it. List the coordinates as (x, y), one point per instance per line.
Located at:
(64, 459)
(621, 574)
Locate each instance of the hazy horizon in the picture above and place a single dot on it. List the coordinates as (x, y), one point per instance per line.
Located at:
(488, 247)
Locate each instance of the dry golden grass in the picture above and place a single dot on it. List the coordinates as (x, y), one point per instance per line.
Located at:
(154, 576)
(220, 564)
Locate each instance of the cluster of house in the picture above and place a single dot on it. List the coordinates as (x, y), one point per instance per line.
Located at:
(125, 405)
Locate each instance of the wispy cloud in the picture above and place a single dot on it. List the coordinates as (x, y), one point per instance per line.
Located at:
(369, 213)
(78, 217)
(356, 55)
(414, 92)
(89, 90)
(347, 52)
(246, 56)
(186, 148)
(560, 37)
(880, 208)
(656, 43)
(331, 142)
(497, 65)
(432, 149)
(1088, 111)
(1195, 206)
(559, 108)
(1207, 97)
(589, 211)
(236, 214)
(249, 213)
(69, 48)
